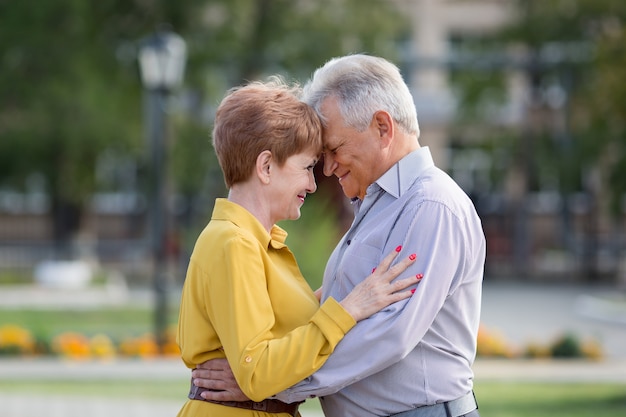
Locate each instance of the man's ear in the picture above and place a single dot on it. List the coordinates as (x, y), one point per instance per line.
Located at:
(263, 165)
(383, 123)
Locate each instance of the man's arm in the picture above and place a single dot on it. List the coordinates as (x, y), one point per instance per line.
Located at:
(390, 335)
(217, 376)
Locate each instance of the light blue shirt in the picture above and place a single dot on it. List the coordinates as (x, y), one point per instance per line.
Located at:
(418, 351)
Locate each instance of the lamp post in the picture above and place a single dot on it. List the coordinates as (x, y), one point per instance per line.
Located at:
(162, 57)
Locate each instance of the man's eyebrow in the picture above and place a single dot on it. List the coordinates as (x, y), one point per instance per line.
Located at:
(331, 144)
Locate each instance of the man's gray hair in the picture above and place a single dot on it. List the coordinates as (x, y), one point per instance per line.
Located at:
(363, 85)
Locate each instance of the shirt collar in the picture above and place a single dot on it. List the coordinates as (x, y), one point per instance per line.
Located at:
(238, 215)
(401, 176)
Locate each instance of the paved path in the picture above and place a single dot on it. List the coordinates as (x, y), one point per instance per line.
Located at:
(172, 369)
(24, 405)
(29, 405)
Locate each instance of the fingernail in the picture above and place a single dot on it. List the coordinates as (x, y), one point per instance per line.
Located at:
(419, 276)
(412, 256)
(399, 248)
(413, 291)
(373, 269)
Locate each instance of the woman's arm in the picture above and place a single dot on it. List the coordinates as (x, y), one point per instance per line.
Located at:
(371, 295)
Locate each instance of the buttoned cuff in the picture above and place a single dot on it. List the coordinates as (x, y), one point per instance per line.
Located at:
(332, 315)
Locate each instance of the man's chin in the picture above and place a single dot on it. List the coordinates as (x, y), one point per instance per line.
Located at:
(349, 194)
(347, 191)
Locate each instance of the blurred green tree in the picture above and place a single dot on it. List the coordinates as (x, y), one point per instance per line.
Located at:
(584, 55)
(65, 98)
(69, 88)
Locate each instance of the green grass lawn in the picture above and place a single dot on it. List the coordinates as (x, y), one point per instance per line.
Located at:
(496, 399)
(510, 399)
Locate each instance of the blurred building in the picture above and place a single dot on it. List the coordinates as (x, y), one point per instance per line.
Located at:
(530, 231)
(431, 51)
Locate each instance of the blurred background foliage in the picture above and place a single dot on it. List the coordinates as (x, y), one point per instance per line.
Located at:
(70, 91)
(573, 52)
(70, 98)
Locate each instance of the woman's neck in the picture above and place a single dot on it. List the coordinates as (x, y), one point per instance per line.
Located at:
(249, 197)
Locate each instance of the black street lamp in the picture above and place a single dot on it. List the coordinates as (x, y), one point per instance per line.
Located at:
(162, 58)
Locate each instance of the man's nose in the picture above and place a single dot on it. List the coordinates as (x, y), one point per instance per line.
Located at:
(329, 164)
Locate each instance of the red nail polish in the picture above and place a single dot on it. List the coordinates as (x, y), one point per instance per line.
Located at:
(373, 269)
(412, 256)
(413, 291)
(419, 276)
(399, 248)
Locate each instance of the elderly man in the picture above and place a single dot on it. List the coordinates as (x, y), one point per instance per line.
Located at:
(413, 359)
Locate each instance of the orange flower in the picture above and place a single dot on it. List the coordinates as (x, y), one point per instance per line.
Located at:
(71, 345)
(170, 348)
(491, 343)
(147, 347)
(144, 346)
(15, 339)
(102, 347)
(591, 349)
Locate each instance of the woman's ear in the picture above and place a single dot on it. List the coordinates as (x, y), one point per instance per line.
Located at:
(263, 165)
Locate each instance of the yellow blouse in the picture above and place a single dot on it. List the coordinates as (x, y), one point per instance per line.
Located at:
(245, 299)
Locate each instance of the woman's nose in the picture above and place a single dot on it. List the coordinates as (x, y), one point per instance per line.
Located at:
(312, 184)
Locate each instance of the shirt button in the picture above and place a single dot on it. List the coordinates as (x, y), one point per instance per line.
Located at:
(348, 242)
(248, 359)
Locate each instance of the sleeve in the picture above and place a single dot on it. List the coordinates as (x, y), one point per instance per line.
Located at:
(241, 310)
(389, 335)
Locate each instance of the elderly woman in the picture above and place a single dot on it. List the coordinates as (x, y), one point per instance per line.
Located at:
(244, 298)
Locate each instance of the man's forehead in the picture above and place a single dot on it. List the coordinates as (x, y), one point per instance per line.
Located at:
(328, 140)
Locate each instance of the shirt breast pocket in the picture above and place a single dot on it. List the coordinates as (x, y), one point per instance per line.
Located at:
(357, 264)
